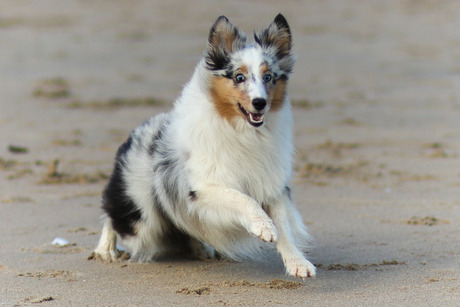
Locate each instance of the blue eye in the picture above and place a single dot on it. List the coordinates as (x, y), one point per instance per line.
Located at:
(267, 78)
(240, 78)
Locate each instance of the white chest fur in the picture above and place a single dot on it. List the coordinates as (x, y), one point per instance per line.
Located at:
(255, 161)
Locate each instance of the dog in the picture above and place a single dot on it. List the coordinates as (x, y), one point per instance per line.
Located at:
(211, 177)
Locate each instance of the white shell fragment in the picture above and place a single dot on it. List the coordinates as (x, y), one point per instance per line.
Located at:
(60, 242)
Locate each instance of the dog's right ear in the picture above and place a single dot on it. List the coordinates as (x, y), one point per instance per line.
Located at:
(224, 38)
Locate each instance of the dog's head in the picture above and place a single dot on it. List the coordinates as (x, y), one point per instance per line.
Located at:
(249, 80)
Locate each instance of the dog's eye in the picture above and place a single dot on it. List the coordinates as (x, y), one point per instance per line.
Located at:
(267, 78)
(240, 78)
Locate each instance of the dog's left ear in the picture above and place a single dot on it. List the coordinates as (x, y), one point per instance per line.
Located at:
(224, 38)
(277, 39)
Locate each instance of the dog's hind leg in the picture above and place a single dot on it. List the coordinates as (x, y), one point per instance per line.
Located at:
(298, 229)
(295, 262)
(200, 250)
(106, 250)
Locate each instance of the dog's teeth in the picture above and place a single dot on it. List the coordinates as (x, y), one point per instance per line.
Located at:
(256, 121)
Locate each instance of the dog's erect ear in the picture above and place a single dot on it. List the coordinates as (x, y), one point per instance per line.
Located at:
(224, 38)
(277, 36)
(277, 39)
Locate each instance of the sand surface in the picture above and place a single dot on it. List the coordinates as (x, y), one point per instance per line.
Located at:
(376, 91)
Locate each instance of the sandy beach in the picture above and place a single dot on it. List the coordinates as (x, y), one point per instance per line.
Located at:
(376, 101)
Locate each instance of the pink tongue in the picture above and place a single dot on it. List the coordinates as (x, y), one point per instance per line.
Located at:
(256, 117)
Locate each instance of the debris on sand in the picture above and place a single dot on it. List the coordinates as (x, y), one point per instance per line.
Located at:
(17, 149)
(427, 220)
(53, 88)
(273, 284)
(198, 291)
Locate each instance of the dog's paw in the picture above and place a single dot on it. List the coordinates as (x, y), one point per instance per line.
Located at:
(104, 256)
(264, 230)
(300, 267)
(202, 251)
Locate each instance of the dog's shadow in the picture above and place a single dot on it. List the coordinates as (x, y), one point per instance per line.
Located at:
(267, 267)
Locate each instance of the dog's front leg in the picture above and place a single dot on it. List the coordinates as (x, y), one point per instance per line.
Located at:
(225, 207)
(106, 250)
(295, 262)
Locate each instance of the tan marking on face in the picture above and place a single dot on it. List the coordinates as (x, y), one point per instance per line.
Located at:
(226, 97)
(243, 69)
(263, 69)
(277, 95)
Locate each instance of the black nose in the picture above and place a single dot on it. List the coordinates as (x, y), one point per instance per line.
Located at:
(259, 103)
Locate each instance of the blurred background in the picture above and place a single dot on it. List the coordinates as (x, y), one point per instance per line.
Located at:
(376, 96)
(348, 50)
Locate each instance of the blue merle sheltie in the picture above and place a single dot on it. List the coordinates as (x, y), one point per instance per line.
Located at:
(212, 176)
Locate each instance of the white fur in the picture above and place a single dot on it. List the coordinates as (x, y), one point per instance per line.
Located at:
(252, 57)
(239, 173)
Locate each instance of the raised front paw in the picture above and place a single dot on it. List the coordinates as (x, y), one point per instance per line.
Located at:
(264, 230)
(300, 267)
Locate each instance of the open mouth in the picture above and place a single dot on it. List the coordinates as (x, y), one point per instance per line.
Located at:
(254, 119)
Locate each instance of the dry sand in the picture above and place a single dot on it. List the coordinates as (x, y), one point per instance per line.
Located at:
(377, 176)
